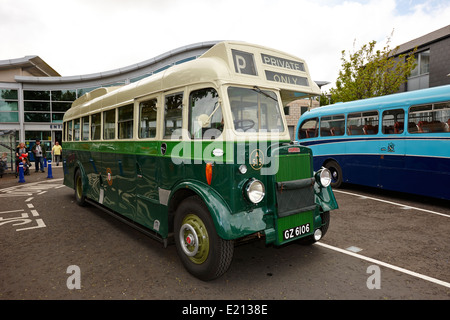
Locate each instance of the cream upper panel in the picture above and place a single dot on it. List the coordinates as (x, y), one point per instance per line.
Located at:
(266, 67)
(227, 62)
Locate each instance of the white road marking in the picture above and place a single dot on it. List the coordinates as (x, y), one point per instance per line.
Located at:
(40, 224)
(11, 211)
(403, 206)
(387, 265)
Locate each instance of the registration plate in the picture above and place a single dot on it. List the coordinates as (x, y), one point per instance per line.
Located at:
(296, 231)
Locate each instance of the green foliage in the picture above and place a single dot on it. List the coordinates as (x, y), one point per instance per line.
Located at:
(368, 73)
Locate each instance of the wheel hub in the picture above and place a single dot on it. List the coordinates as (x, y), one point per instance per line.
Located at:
(193, 238)
(189, 240)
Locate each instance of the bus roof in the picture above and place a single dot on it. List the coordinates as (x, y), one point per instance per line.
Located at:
(403, 99)
(227, 62)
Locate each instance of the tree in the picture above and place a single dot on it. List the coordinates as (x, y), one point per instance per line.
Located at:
(368, 73)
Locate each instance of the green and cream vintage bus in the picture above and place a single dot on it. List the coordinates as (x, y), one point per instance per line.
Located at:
(200, 153)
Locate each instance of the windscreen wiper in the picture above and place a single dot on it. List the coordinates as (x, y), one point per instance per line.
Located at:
(257, 89)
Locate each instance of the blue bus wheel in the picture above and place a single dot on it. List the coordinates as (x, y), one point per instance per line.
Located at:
(336, 173)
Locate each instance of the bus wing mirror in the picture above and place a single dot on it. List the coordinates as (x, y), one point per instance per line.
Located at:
(203, 120)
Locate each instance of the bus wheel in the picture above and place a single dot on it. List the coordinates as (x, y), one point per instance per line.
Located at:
(81, 199)
(203, 253)
(336, 173)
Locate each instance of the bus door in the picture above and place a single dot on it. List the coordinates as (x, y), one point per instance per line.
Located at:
(147, 196)
(109, 184)
(147, 169)
(117, 186)
(392, 149)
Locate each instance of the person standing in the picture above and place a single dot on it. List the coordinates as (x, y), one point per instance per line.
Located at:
(21, 151)
(56, 151)
(39, 155)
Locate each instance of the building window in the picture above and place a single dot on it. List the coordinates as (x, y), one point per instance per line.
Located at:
(9, 106)
(61, 101)
(420, 75)
(47, 106)
(36, 106)
(423, 64)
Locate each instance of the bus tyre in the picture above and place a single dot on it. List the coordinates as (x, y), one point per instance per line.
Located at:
(81, 199)
(203, 253)
(336, 173)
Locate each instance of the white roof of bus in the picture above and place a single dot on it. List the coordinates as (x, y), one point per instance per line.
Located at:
(217, 65)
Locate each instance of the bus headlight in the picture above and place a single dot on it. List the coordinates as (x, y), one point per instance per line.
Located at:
(255, 191)
(323, 177)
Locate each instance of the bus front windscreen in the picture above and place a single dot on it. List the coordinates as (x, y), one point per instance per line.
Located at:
(255, 110)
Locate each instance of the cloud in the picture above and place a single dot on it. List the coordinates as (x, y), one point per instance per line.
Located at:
(87, 36)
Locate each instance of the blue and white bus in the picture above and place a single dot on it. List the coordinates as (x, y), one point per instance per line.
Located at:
(397, 142)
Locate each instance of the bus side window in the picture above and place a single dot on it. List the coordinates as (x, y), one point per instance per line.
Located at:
(332, 126)
(393, 121)
(308, 129)
(69, 131)
(125, 122)
(205, 102)
(85, 128)
(173, 107)
(147, 118)
(76, 130)
(429, 118)
(96, 126)
(109, 124)
(442, 118)
(354, 126)
(365, 123)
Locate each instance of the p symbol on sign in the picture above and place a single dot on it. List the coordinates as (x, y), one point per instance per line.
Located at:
(240, 63)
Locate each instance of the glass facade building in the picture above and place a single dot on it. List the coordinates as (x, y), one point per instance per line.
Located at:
(34, 97)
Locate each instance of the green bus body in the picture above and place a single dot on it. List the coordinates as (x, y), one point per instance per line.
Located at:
(200, 191)
(139, 173)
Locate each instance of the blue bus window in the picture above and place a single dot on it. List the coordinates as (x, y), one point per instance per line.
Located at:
(308, 129)
(332, 126)
(362, 123)
(429, 118)
(393, 121)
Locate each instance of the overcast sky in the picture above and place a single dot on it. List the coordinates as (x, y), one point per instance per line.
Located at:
(77, 37)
